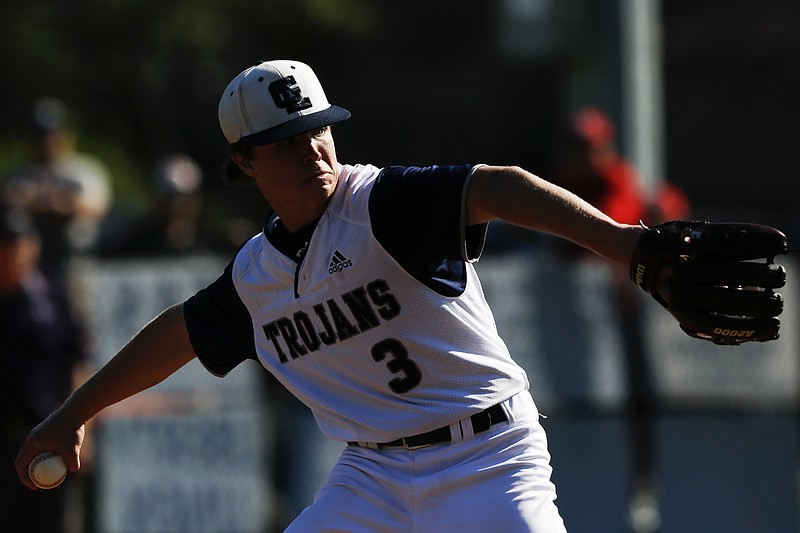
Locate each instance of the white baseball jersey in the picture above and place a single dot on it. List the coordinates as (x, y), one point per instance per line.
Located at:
(378, 322)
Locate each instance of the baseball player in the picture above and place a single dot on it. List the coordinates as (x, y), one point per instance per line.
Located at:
(361, 297)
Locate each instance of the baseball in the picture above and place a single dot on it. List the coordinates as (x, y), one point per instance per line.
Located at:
(47, 470)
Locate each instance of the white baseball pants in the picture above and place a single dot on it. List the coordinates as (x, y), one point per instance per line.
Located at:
(497, 482)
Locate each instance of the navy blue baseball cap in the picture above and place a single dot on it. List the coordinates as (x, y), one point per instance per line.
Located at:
(273, 101)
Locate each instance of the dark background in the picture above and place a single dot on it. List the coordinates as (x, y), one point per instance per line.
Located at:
(427, 82)
(451, 81)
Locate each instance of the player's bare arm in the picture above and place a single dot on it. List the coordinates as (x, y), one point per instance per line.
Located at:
(523, 199)
(152, 355)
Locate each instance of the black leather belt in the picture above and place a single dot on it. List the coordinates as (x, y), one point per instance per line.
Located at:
(480, 423)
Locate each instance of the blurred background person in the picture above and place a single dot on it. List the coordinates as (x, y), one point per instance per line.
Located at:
(67, 192)
(592, 167)
(43, 350)
(589, 165)
(174, 226)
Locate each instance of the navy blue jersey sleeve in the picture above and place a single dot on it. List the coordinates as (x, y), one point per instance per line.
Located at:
(417, 214)
(219, 326)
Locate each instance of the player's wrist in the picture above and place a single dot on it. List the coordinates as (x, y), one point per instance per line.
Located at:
(76, 411)
(620, 245)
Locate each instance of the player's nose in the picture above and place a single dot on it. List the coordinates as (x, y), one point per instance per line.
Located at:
(312, 148)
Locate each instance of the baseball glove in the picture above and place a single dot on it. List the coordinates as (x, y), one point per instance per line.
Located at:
(708, 277)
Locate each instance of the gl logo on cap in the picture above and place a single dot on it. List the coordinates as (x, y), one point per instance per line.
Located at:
(288, 95)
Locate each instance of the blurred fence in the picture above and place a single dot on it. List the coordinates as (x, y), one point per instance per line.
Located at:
(721, 433)
(192, 454)
(561, 322)
(198, 453)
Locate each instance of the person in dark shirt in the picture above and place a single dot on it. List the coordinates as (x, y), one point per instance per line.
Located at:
(42, 346)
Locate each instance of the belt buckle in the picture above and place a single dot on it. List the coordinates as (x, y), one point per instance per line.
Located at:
(408, 446)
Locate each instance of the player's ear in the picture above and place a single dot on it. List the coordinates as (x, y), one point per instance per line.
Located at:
(244, 163)
(239, 166)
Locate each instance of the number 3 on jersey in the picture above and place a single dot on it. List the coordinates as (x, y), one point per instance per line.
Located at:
(398, 363)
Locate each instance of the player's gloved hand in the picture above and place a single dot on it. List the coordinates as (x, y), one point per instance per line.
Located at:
(716, 279)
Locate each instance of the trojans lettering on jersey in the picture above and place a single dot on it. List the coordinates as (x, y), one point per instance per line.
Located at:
(332, 321)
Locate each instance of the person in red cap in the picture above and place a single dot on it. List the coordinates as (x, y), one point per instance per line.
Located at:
(594, 170)
(360, 296)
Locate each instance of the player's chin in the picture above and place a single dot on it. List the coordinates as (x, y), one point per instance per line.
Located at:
(323, 184)
(323, 176)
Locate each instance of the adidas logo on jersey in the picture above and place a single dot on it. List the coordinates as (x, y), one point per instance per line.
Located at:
(338, 263)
